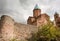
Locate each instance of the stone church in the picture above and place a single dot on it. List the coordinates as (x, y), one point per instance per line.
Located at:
(38, 18)
(9, 29)
(57, 19)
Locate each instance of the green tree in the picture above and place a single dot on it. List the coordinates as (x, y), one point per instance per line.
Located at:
(47, 33)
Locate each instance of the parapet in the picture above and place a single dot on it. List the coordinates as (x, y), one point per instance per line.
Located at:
(3, 17)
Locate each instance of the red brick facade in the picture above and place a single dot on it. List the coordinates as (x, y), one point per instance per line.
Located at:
(57, 19)
(36, 12)
(38, 19)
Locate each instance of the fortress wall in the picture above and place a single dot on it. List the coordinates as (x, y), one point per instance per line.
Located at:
(7, 27)
(23, 31)
(12, 30)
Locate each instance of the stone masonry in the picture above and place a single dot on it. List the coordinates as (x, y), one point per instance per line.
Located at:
(9, 29)
(38, 19)
(57, 19)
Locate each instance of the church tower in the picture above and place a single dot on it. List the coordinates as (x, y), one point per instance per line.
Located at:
(36, 11)
(38, 19)
(56, 15)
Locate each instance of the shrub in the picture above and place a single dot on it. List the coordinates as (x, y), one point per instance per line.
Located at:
(47, 33)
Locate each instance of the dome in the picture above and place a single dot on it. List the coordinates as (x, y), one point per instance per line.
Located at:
(36, 7)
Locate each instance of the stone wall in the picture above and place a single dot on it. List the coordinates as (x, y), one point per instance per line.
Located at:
(23, 31)
(57, 20)
(36, 12)
(43, 20)
(7, 27)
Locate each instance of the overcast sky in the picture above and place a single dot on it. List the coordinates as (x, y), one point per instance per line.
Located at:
(20, 10)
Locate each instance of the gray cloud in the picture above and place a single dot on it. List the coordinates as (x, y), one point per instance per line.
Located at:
(20, 10)
(2, 4)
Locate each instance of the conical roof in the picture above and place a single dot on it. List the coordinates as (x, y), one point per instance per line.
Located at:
(36, 6)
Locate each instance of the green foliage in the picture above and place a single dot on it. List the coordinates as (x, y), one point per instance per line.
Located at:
(47, 33)
(14, 39)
